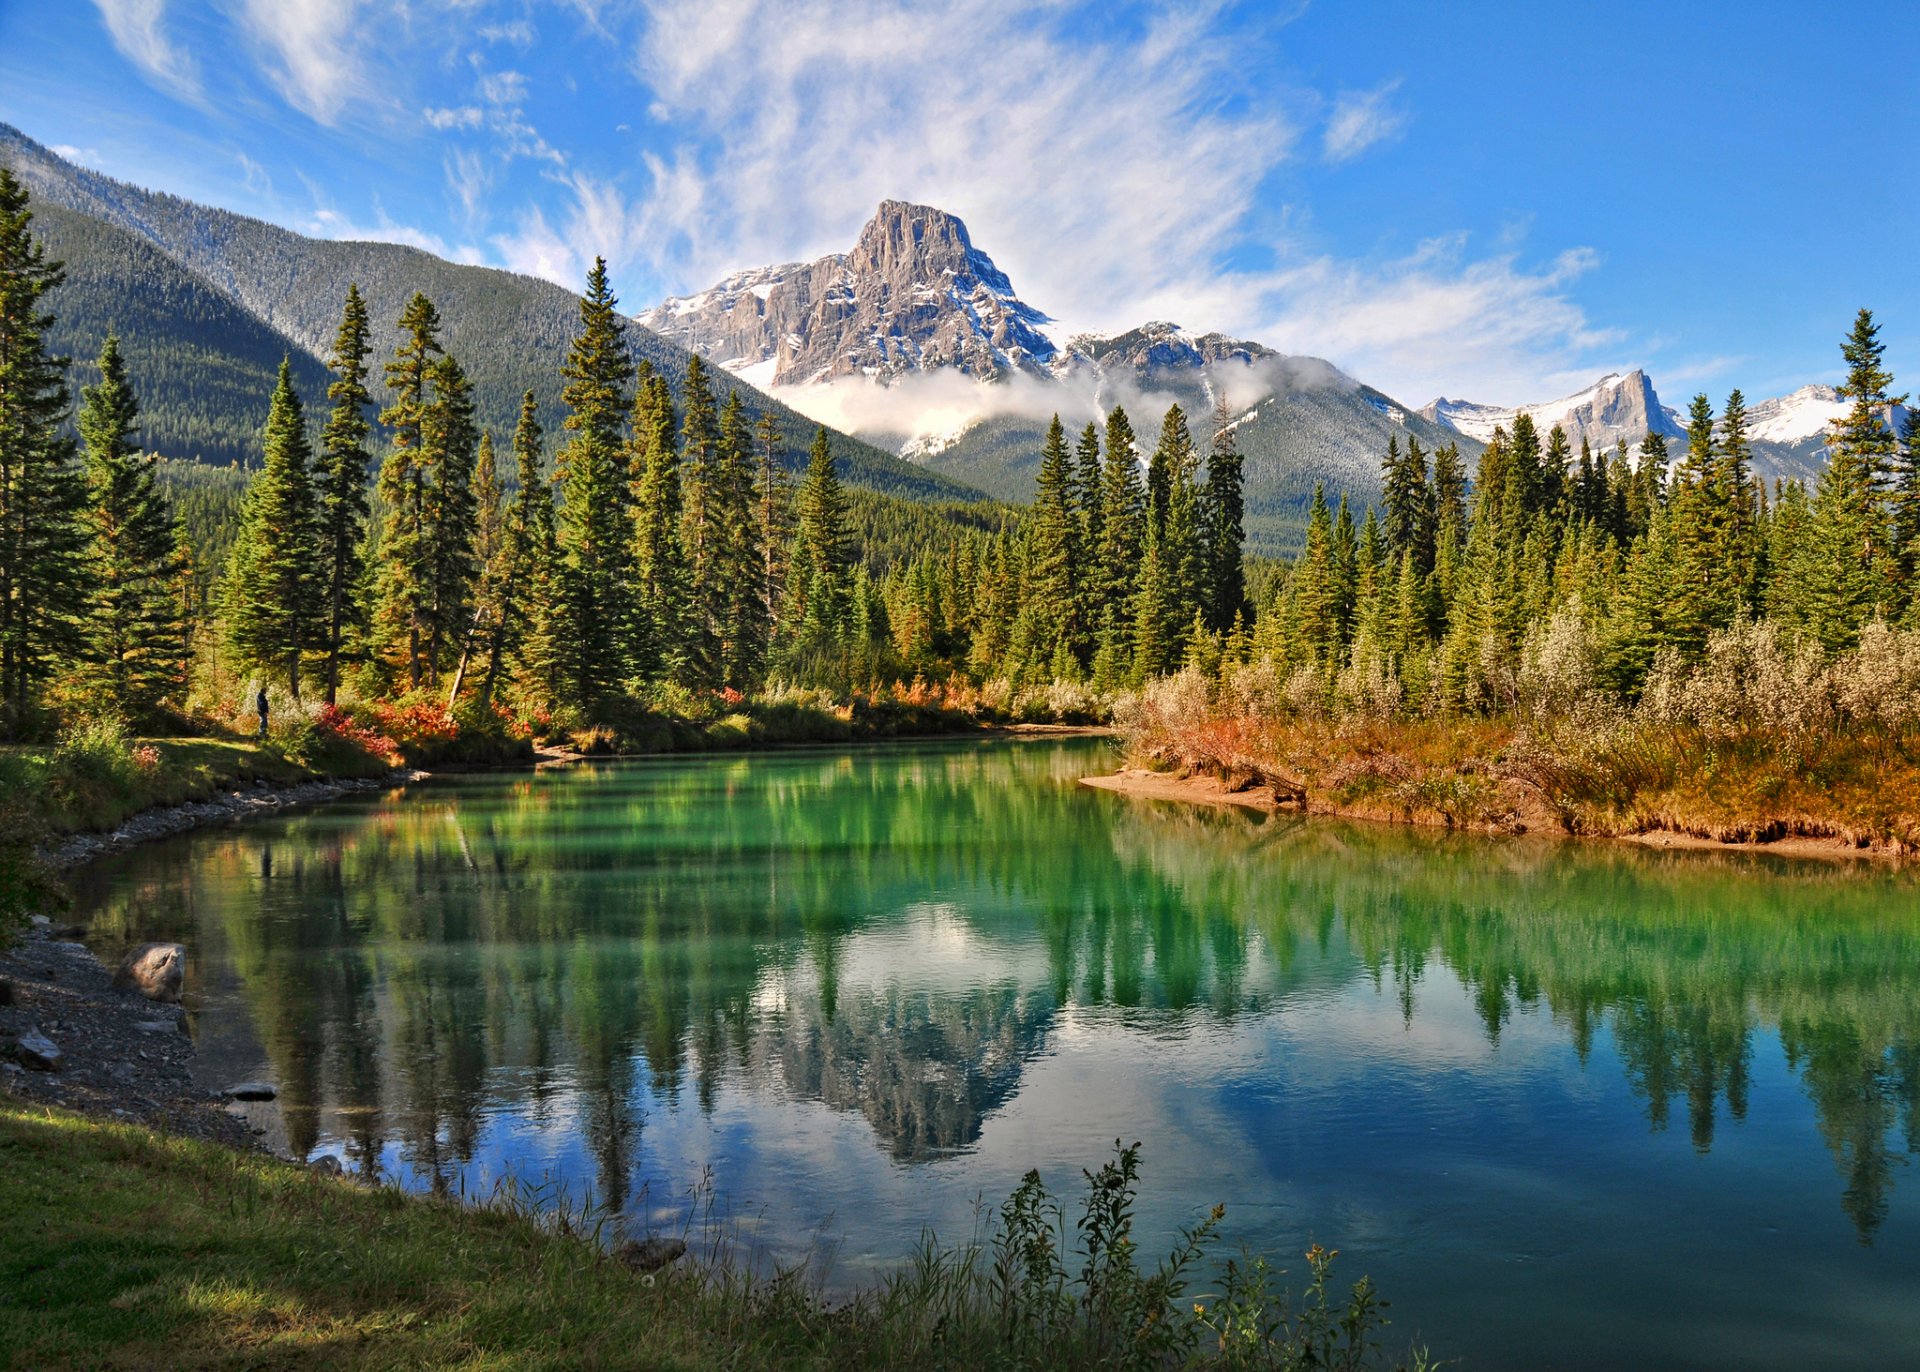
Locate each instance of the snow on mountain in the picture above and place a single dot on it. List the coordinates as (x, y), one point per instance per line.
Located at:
(914, 294)
(1795, 418)
(1617, 407)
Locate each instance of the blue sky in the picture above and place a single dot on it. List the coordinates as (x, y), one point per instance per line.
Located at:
(1492, 201)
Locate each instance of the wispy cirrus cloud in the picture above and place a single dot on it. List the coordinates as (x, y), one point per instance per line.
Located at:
(138, 30)
(1097, 156)
(312, 51)
(1359, 121)
(1441, 321)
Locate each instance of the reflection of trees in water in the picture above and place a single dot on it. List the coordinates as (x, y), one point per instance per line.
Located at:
(1681, 957)
(601, 936)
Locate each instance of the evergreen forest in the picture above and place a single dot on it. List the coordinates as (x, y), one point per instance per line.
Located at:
(392, 564)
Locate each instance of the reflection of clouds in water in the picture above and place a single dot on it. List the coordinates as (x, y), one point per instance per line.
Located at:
(868, 989)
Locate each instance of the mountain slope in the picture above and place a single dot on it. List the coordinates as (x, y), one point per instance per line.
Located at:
(913, 294)
(1788, 433)
(509, 331)
(917, 341)
(1615, 408)
(203, 366)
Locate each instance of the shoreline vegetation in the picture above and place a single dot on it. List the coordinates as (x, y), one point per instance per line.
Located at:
(150, 1247)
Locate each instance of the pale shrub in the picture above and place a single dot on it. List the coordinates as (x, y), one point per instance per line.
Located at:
(1306, 692)
(1880, 679)
(1752, 678)
(1559, 665)
(1368, 686)
(1255, 690)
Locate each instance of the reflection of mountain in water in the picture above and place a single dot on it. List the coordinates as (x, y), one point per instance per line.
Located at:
(896, 934)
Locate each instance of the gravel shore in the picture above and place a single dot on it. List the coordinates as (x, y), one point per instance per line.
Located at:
(69, 1037)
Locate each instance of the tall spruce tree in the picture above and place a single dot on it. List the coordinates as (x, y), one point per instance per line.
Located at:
(743, 617)
(491, 546)
(1050, 623)
(703, 528)
(342, 483)
(1850, 574)
(134, 631)
(272, 595)
(659, 558)
(532, 599)
(1224, 518)
(1121, 552)
(42, 543)
(818, 588)
(1906, 517)
(452, 440)
(594, 522)
(404, 615)
(775, 513)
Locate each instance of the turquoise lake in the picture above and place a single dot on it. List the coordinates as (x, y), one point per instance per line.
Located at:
(1569, 1104)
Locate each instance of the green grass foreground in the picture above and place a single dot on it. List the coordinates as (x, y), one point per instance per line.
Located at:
(120, 1247)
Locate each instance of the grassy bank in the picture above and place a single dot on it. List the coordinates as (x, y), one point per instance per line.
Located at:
(97, 780)
(127, 1248)
(1761, 741)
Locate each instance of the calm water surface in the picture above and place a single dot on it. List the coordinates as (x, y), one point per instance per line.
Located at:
(1570, 1105)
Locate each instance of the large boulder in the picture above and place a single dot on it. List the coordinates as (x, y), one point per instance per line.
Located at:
(155, 970)
(39, 1052)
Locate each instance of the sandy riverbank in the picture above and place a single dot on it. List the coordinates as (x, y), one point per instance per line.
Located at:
(1537, 819)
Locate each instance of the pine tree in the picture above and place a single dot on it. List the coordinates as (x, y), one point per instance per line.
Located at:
(1705, 591)
(1449, 488)
(1053, 559)
(406, 543)
(1091, 503)
(134, 629)
(1409, 499)
(532, 599)
(1850, 573)
(272, 595)
(1173, 454)
(817, 584)
(493, 561)
(593, 517)
(42, 544)
(659, 559)
(1740, 531)
(775, 515)
(1224, 519)
(702, 532)
(1121, 553)
(744, 620)
(451, 441)
(1906, 516)
(342, 482)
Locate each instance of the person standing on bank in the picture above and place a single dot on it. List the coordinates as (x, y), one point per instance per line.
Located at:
(260, 704)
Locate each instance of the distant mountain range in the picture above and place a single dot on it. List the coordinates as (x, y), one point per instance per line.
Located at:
(917, 340)
(914, 344)
(207, 302)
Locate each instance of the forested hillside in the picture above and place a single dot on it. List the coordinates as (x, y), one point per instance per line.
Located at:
(509, 331)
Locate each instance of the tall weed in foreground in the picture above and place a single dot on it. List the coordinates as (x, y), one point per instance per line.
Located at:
(1033, 1295)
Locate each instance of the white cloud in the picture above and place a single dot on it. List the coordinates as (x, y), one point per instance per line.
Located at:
(1360, 120)
(600, 222)
(1113, 177)
(456, 117)
(1141, 147)
(135, 27)
(1439, 322)
(313, 52)
(519, 33)
(934, 408)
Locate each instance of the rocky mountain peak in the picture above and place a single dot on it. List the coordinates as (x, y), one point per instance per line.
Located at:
(913, 294)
